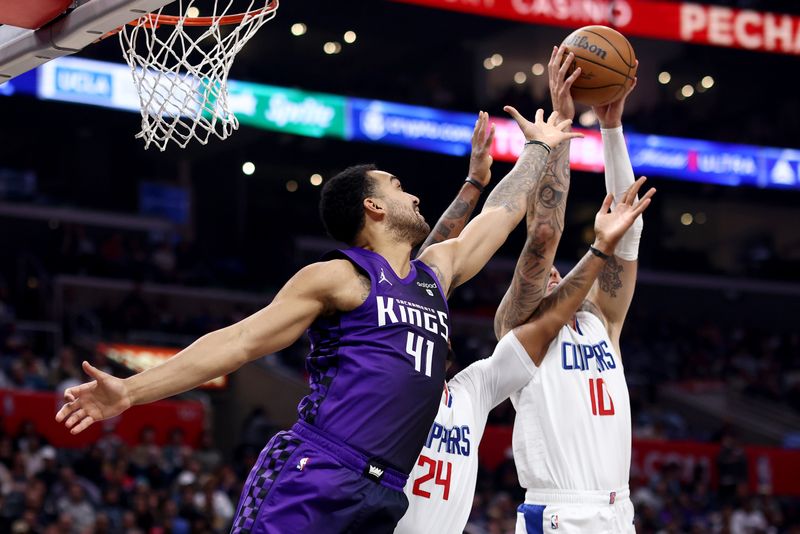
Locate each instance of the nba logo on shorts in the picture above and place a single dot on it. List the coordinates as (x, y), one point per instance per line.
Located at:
(612, 497)
(302, 464)
(554, 521)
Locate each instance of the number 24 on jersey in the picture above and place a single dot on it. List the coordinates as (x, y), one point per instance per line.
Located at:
(439, 470)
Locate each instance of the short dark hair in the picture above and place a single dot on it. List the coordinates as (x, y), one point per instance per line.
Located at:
(341, 204)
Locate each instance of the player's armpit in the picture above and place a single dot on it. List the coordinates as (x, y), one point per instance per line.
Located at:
(591, 307)
(439, 258)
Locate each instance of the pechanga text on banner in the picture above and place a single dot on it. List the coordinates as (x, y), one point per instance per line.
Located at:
(672, 21)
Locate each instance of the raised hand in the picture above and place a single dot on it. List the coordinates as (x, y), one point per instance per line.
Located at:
(552, 132)
(104, 397)
(610, 115)
(480, 159)
(560, 83)
(610, 225)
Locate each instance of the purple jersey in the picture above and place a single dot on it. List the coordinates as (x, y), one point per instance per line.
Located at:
(376, 372)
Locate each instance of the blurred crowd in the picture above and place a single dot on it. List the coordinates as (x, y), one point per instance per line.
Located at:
(193, 487)
(182, 488)
(161, 258)
(111, 487)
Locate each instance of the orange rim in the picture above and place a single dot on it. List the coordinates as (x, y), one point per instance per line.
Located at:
(152, 20)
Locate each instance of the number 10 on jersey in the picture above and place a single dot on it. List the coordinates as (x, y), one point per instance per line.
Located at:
(599, 395)
(414, 346)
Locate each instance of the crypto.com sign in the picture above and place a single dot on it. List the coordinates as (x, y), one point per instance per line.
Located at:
(674, 21)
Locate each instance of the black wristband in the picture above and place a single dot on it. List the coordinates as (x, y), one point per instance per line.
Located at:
(535, 142)
(476, 183)
(599, 253)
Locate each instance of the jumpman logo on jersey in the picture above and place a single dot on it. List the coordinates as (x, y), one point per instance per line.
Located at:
(383, 278)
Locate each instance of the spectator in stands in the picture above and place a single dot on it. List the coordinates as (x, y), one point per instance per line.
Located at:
(77, 507)
(146, 458)
(207, 455)
(64, 370)
(747, 519)
(175, 451)
(214, 503)
(731, 466)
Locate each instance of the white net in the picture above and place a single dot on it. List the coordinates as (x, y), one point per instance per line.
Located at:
(181, 70)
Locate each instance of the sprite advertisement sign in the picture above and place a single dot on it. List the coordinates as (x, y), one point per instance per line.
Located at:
(288, 110)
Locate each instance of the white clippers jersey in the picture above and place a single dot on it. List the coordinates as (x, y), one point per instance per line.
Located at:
(441, 487)
(573, 425)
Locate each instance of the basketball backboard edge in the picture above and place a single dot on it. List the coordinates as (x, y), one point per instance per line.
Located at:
(22, 50)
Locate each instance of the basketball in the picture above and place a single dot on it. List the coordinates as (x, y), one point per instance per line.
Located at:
(607, 62)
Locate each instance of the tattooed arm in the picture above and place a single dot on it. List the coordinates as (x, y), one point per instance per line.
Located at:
(558, 308)
(453, 220)
(545, 222)
(546, 206)
(457, 260)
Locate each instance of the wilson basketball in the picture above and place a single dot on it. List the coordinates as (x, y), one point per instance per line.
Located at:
(607, 62)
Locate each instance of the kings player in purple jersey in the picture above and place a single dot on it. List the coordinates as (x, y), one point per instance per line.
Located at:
(378, 323)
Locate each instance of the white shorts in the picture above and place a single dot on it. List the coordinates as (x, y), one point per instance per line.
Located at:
(576, 512)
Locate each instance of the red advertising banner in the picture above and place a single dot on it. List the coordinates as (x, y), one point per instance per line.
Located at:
(137, 358)
(41, 408)
(770, 469)
(672, 21)
(585, 154)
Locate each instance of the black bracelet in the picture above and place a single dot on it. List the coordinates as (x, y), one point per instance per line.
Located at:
(476, 183)
(599, 253)
(535, 142)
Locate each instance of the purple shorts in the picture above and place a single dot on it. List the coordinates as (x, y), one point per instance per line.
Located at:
(305, 481)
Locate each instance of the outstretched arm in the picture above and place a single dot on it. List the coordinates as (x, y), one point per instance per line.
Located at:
(613, 291)
(457, 260)
(453, 220)
(558, 308)
(545, 218)
(311, 292)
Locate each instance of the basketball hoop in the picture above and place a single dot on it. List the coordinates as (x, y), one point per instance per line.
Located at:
(181, 75)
